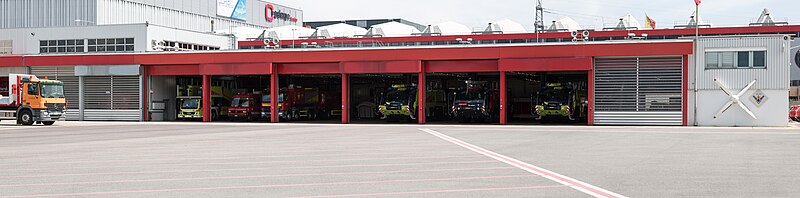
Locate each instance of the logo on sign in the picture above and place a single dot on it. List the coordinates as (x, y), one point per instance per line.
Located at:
(236, 9)
(758, 98)
(271, 14)
(797, 58)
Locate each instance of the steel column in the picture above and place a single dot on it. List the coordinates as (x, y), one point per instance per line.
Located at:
(421, 88)
(503, 99)
(145, 91)
(81, 97)
(590, 100)
(274, 91)
(345, 99)
(206, 99)
(684, 90)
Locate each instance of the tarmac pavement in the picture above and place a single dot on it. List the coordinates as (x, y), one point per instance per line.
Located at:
(113, 159)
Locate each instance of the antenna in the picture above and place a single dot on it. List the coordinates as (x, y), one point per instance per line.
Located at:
(539, 24)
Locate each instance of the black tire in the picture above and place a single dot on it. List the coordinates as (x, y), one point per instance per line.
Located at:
(48, 123)
(26, 118)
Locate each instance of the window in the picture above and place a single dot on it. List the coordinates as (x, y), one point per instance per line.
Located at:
(33, 89)
(6, 47)
(736, 59)
(110, 45)
(61, 46)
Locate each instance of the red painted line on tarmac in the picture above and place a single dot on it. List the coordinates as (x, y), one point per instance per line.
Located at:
(202, 149)
(202, 152)
(435, 191)
(258, 176)
(245, 169)
(269, 186)
(241, 163)
(204, 158)
(578, 185)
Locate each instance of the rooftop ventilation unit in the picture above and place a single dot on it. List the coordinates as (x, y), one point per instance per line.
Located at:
(692, 23)
(767, 20)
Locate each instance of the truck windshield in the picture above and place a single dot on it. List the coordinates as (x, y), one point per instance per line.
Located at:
(240, 102)
(552, 95)
(470, 95)
(267, 98)
(52, 91)
(190, 104)
(399, 96)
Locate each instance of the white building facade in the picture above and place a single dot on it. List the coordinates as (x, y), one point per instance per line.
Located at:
(740, 81)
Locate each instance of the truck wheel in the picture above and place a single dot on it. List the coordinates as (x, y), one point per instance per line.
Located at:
(26, 117)
(48, 123)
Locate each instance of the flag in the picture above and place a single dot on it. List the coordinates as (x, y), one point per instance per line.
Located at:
(697, 2)
(650, 23)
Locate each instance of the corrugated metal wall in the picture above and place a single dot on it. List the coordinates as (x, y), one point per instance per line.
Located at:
(46, 13)
(182, 14)
(638, 91)
(112, 98)
(772, 77)
(195, 15)
(65, 74)
(772, 81)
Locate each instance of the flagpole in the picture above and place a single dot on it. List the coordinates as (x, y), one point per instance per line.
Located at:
(696, 56)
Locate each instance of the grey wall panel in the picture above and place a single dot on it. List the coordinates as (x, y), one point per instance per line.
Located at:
(183, 14)
(44, 13)
(775, 76)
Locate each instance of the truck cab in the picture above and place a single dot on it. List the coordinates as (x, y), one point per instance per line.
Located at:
(266, 103)
(477, 104)
(245, 106)
(191, 102)
(400, 103)
(33, 100)
(558, 101)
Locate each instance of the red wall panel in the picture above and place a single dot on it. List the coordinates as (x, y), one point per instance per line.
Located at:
(236, 69)
(546, 64)
(309, 68)
(462, 66)
(381, 67)
(173, 70)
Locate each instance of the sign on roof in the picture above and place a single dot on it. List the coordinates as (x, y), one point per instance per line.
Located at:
(236, 9)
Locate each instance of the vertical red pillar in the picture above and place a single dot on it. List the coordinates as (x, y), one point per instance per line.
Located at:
(503, 99)
(685, 91)
(146, 94)
(274, 92)
(421, 88)
(345, 99)
(590, 114)
(206, 99)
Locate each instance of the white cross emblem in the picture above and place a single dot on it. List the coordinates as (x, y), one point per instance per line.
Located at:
(735, 99)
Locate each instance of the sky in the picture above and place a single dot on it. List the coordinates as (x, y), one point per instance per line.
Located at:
(589, 13)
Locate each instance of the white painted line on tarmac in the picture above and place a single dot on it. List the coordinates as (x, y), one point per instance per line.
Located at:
(573, 183)
(647, 131)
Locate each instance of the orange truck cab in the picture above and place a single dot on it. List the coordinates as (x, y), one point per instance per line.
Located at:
(245, 106)
(33, 100)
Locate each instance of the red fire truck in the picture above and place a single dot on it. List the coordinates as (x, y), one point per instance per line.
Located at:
(297, 103)
(245, 106)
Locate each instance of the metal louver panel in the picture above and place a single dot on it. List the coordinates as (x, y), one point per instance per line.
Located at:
(638, 91)
(111, 98)
(64, 74)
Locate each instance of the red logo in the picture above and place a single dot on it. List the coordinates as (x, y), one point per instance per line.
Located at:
(268, 12)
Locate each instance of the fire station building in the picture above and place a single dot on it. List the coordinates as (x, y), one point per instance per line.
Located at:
(127, 65)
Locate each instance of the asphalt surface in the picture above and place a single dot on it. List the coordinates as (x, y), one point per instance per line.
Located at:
(97, 159)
